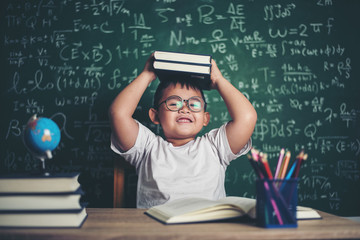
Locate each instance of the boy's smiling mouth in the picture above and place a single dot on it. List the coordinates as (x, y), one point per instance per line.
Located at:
(183, 119)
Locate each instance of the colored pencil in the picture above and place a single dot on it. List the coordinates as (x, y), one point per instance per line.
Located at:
(285, 165)
(292, 170)
(301, 160)
(255, 166)
(254, 154)
(279, 163)
(265, 163)
(273, 203)
(289, 174)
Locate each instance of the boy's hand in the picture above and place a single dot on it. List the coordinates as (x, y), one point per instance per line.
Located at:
(149, 67)
(216, 75)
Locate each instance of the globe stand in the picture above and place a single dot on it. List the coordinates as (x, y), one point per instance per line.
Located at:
(42, 159)
(43, 168)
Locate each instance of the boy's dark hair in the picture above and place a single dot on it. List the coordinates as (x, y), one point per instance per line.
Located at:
(183, 82)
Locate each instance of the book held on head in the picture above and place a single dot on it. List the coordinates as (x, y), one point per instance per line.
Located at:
(192, 67)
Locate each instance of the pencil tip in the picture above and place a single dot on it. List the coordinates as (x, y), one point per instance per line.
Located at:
(301, 154)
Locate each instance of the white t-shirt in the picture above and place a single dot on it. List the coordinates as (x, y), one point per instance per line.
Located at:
(165, 172)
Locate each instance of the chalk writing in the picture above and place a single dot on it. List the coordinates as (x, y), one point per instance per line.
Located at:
(294, 61)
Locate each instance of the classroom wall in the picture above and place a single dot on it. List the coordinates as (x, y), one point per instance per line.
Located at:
(296, 61)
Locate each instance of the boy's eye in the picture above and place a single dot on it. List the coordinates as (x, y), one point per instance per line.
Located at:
(179, 104)
(196, 105)
(175, 104)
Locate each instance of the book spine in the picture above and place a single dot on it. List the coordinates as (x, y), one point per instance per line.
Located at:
(181, 55)
(185, 63)
(79, 191)
(41, 211)
(202, 80)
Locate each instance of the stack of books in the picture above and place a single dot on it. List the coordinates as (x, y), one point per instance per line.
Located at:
(192, 67)
(41, 201)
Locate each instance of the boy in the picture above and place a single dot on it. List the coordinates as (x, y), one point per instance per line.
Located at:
(181, 165)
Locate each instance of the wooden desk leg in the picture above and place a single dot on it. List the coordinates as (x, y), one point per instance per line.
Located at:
(119, 185)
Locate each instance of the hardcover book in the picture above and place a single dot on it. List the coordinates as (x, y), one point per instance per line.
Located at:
(40, 201)
(43, 219)
(191, 67)
(31, 183)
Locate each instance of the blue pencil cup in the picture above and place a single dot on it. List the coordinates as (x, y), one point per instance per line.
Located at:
(276, 202)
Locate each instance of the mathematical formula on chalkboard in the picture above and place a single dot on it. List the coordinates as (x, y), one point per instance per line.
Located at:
(296, 61)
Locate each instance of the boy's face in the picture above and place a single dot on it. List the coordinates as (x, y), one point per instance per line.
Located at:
(180, 126)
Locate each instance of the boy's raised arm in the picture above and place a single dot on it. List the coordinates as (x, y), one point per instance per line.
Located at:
(123, 126)
(243, 114)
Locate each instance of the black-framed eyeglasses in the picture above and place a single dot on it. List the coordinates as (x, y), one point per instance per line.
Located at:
(175, 103)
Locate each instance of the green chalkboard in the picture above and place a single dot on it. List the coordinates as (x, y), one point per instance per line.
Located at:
(296, 61)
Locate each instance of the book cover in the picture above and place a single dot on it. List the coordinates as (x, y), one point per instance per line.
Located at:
(31, 183)
(40, 201)
(44, 219)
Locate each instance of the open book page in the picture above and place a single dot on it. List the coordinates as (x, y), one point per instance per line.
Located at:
(198, 209)
(183, 206)
(305, 213)
(246, 204)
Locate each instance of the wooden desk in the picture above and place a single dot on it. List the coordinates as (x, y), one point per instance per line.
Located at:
(118, 223)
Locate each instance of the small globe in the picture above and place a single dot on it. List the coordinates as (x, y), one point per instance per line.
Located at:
(41, 136)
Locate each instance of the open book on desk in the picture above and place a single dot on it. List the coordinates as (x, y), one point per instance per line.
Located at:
(199, 210)
(189, 210)
(306, 213)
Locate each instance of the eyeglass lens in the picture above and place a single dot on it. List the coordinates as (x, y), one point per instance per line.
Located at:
(174, 103)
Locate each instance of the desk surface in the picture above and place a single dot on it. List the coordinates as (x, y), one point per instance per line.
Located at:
(120, 223)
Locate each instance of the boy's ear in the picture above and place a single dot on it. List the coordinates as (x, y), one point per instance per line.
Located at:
(153, 114)
(206, 119)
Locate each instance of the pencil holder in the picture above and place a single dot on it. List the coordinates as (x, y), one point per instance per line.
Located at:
(276, 202)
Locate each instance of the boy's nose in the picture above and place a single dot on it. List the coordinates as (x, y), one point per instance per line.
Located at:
(184, 107)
